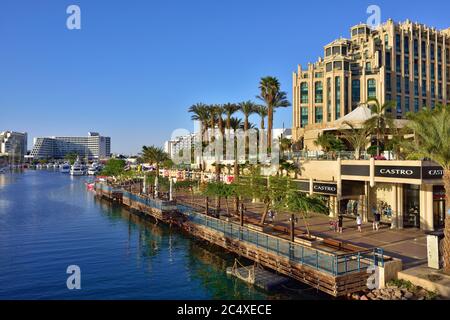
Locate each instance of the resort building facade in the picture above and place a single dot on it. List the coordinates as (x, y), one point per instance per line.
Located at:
(13, 144)
(408, 63)
(94, 146)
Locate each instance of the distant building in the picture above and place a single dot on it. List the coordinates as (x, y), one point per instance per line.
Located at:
(174, 146)
(94, 146)
(13, 144)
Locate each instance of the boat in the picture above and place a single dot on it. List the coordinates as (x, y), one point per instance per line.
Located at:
(39, 166)
(50, 166)
(56, 166)
(94, 168)
(64, 168)
(77, 169)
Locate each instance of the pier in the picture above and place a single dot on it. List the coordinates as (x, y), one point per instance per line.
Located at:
(321, 264)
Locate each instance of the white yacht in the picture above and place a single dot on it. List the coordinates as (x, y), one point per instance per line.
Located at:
(64, 168)
(56, 166)
(77, 169)
(94, 168)
(50, 166)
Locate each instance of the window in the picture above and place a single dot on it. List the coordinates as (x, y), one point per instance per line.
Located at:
(304, 92)
(432, 51)
(439, 73)
(416, 67)
(388, 99)
(399, 84)
(338, 65)
(407, 108)
(319, 92)
(398, 46)
(337, 97)
(416, 87)
(346, 106)
(398, 63)
(424, 69)
(388, 82)
(329, 67)
(406, 66)
(416, 48)
(388, 61)
(344, 50)
(424, 104)
(319, 115)
(318, 75)
(424, 88)
(371, 88)
(336, 50)
(406, 85)
(368, 67)
(328, 99)
(439, 53)
(328, 52)
(416, 105)
(424, 50)
(356, 91)
(433, 89)
(399, 104)
(304, 117)
(406, 44)
(432, 71)
(386, 39)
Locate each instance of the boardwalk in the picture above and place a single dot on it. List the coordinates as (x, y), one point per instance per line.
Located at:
(409, 245)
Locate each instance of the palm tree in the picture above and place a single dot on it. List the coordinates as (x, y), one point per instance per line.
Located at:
(274, 98)
(235, 123)
(229, 110)
(213, 111)
(247, 108)
(380, 122)
(262, 112)
(356, 137)
(298, 202)
(200, 112)
(156, 156)
(432, 140)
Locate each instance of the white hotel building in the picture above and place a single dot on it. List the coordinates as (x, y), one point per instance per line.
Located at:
(93, 146)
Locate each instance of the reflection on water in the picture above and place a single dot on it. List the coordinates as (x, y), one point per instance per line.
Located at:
(49, 221)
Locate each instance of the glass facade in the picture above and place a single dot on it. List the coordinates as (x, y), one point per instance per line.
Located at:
(304, 117)
(304, 92)
(318, 115)
(371, 88)
(318, 92)
(337, 97)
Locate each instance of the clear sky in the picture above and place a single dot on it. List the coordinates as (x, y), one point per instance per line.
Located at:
(135, 66)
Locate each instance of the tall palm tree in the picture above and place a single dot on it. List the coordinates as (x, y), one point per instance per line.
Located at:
(274, 98)
(247, 108)
(432, 140)
(156, 156)
(200, 112)
(357, 137)
(380, 122)
(262, 112)
(213, 111)
(229, 110)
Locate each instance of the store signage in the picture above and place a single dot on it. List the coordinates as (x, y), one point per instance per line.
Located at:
(302, 185)
(432, 173)
(397, 172)
(325, 188)
(355, 170)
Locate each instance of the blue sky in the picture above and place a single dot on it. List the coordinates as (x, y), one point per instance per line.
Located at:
(135, 67)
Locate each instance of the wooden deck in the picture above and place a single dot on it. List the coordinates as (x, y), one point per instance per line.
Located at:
(330, 277)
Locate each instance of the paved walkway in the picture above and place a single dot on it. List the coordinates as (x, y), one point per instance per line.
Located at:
(409, 245)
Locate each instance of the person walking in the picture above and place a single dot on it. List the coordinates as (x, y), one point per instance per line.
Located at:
(359, 222)
(340, 223)
(376, 220)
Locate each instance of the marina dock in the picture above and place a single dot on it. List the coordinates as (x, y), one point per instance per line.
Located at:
(320, 265)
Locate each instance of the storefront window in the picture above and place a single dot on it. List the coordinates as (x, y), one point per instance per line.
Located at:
(438, 206)
(411, 200)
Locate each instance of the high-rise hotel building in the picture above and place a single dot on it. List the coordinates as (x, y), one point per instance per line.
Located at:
(408, 63)
(94, 146)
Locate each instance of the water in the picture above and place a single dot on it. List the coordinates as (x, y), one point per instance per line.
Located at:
(49, 221)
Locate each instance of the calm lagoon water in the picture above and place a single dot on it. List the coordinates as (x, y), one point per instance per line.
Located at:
(49, 221)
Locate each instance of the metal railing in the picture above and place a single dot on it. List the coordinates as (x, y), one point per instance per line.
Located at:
(327, 262)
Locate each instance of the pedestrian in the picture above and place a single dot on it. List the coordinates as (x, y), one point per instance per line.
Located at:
(340, 223)
(270, 214)
(359, 222)
(376, 221)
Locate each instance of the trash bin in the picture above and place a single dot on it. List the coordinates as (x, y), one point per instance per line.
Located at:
(434, 249)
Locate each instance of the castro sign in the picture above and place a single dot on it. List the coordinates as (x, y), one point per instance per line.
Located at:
(397, 172)
(432, 173)
(325, 188)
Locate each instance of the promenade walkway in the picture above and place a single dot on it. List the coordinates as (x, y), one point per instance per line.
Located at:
(409, 245)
